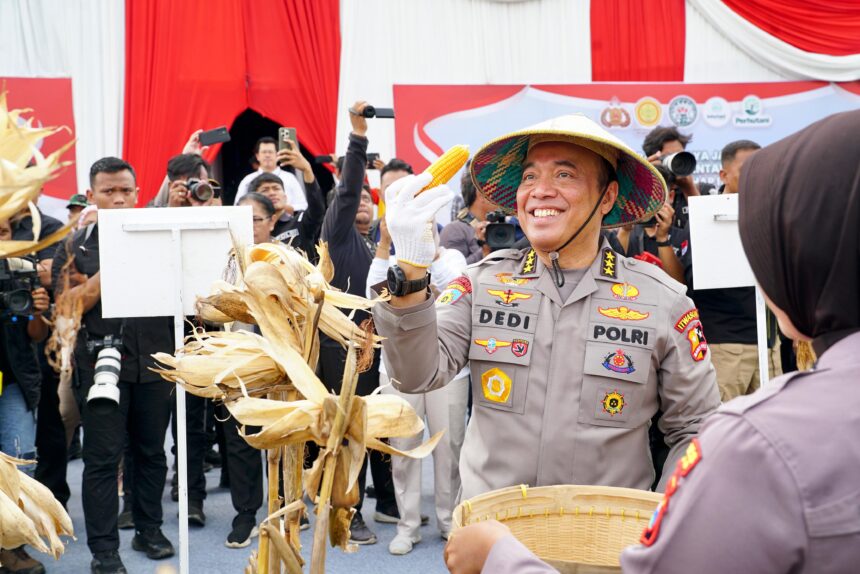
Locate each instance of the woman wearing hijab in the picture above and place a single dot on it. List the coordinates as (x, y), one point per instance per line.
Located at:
(771, 484)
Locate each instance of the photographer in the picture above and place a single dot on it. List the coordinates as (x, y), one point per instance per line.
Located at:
(659, 143)
(299, 230)
(467, 233)
(51, 437)
(667, 244)
(20, 385)
(134, 399)
(266, 153)
(346, 229)
(190, 186)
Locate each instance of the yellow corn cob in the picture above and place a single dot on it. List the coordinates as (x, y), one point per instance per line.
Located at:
(449, 163)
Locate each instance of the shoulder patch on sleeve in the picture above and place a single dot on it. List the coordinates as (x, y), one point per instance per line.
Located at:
(654, 272)
(455, 291)
(685, 466)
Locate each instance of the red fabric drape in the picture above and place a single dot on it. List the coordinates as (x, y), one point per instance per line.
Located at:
(638, 41)
(294, 67)
(189, 66)
(829, 27)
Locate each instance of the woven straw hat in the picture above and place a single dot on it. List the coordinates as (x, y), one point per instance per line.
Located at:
(496, 168)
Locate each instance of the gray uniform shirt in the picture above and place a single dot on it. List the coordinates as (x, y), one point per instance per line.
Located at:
(775, 489)
(564, 390)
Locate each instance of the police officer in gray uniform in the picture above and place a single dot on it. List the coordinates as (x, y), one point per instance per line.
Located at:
(771, 485)
(572, 347)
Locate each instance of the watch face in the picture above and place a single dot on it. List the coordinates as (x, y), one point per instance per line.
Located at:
(396, 278)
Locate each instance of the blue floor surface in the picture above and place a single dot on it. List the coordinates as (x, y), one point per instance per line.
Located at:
(209, 555)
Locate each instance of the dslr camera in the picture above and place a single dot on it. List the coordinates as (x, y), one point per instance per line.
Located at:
(201, 189)
(18, 278)
(500, 234)
(680, 164)
(108, 365)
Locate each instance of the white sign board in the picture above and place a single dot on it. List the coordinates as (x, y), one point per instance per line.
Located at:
(137, 260)
(718, 256)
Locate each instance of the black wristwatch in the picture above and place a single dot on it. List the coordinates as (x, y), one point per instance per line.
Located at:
(666, 243)
(398, 286)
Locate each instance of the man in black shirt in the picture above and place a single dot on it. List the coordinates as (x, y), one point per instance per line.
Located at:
(144, 398)
(302, 229)
(345, 228)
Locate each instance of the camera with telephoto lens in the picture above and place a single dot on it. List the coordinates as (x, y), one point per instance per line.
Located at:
(108, 366)
(18, 278)
(499, 233)
(681, 163)
(200, 189)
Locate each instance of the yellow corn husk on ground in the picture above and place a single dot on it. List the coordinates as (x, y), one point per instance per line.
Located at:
(28, 511)
(448, 164)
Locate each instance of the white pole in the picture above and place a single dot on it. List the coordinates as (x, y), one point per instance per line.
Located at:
(181, 442)
(761, 331)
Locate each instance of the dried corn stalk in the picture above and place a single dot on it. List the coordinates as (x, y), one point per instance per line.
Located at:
(288, 298)
(68, 311)
(21, 181)
(29, 512)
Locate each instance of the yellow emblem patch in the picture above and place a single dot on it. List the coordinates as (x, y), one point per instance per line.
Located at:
(508, 279)
(496, 385)
(613, 403)
(623, 313)
(625, 291)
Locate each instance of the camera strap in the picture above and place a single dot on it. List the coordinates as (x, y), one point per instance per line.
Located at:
(558, 276)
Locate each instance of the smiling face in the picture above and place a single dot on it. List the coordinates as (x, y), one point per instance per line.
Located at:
(561, 183)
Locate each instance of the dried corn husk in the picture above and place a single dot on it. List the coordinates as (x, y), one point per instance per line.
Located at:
(28, 511)
(68, 311)
(20, 184)
(288, 298)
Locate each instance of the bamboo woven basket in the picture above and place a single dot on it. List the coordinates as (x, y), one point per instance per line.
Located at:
(576, 529)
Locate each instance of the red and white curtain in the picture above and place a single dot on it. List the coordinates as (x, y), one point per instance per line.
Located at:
(146, 73)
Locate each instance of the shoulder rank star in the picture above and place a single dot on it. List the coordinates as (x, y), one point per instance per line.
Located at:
(607, 265)
(491, 344)
(508, 298)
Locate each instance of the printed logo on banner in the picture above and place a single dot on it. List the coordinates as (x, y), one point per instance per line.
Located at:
(615, 116)
(751, 115)
(716, 112)
(648, 112)
(683, 111)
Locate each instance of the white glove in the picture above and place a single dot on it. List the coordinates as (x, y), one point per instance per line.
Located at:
(410, 219)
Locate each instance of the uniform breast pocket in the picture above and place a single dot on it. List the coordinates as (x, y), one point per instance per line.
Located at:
(614, 385)
(499, 364)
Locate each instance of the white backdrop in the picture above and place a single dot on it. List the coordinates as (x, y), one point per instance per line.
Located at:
(80, 39)
(387, 42)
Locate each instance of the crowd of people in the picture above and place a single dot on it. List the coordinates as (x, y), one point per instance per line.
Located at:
(547, 362)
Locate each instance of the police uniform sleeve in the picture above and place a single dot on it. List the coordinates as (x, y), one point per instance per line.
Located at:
(688, 383)
(428, 344)
(508, 555)
(734, 508)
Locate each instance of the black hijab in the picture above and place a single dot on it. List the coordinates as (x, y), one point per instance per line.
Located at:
(800, 226)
